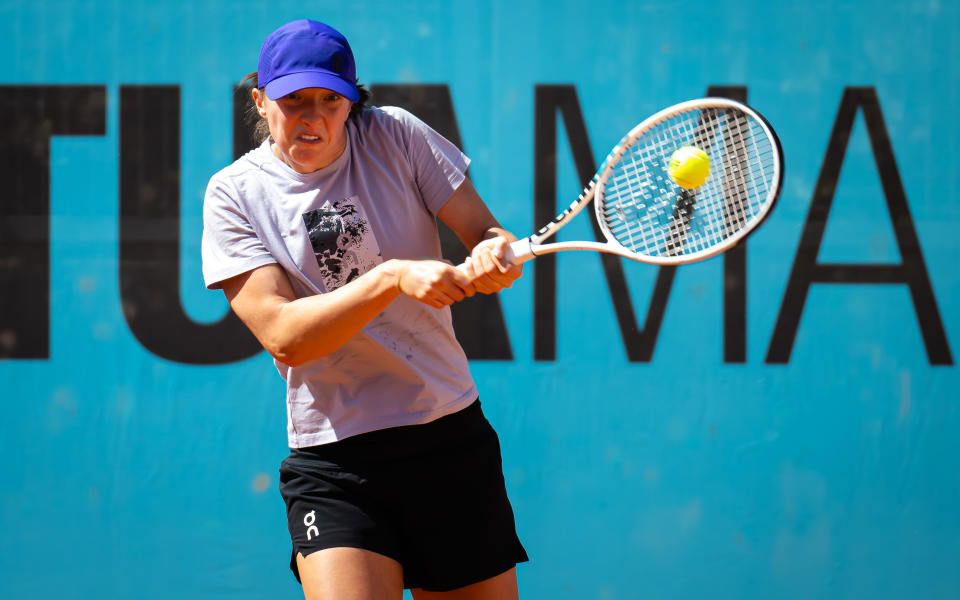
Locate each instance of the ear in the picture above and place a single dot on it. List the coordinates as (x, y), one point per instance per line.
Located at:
(259, 99)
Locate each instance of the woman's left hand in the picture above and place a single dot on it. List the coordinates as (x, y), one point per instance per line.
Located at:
(488, 267)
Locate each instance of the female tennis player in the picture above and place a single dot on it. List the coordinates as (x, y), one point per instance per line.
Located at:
(324, 240)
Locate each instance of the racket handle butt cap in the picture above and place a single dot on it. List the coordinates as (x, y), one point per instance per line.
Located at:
(520, 251)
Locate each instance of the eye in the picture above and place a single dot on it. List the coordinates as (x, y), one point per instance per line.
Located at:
(332, 98)
(292, 97)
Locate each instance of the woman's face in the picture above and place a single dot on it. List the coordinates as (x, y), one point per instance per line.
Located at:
(308, 127)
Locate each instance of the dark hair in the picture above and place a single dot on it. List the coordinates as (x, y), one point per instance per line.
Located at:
(259, 129)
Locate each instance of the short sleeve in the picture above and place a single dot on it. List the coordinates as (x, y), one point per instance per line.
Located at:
(230, 245)
(439, 166)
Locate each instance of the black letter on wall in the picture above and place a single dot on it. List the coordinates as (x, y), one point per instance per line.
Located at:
(150, 237)
(734, 270)
(912, 271)
(478, 321)
(549, 99)
(32, 114)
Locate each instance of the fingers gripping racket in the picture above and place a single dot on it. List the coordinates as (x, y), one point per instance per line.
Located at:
(647, 216)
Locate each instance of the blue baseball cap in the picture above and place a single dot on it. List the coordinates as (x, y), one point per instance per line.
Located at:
(304, 54)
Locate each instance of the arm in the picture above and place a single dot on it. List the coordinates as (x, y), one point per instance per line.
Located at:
(468, 216)
(296, 330)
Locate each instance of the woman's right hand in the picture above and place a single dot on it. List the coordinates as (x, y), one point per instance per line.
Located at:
(434, 282)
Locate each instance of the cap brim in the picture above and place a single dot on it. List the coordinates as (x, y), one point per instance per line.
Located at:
(287, 84)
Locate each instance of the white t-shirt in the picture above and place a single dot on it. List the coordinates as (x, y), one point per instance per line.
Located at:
(377, 201)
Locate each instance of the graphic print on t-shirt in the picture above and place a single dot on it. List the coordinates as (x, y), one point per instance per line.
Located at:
(342, 241)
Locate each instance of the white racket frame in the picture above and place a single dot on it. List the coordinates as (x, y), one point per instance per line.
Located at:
(533, 246)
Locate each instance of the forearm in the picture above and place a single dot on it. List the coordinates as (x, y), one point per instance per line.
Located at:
(496, 231)
(298, 330)
(467, 215)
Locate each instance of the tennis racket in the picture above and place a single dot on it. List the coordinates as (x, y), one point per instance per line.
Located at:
(646, 216)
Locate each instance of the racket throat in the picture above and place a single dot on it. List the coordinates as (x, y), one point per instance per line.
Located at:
(525, 249)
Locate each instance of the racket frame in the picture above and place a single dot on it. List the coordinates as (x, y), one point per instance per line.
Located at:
(527, 248)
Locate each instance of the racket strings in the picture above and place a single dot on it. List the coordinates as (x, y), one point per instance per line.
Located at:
(646, 212)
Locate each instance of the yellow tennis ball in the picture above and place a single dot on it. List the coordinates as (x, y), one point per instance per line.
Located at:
(689, 167)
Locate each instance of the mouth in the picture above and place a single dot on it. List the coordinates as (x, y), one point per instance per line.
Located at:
(309, 139)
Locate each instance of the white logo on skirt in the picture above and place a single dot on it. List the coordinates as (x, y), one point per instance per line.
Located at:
(309, 519)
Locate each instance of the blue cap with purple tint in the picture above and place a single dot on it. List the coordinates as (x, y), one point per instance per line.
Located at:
(304, 54)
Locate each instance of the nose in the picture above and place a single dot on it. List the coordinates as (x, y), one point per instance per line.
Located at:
(314, 111)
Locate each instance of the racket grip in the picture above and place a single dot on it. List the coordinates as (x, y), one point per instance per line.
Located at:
(519, 252)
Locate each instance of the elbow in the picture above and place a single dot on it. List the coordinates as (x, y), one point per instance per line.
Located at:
(293, 342)
(286, 351)
(288, 358)
(291, 356)
(295, 353)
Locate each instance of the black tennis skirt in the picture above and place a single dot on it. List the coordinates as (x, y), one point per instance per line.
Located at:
(432, 497)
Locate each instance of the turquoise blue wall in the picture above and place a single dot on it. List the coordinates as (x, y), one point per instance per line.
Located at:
(831, 474)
